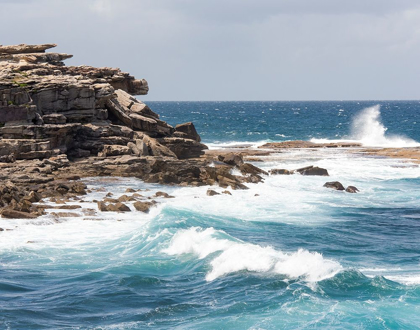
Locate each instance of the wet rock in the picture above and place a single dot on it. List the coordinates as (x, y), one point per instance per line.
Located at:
(280, 171)
(118, 207)
(89, 212)
(313, 170)
(143, 206)
(65, 214)
(125, 198)
(130, 190)
(352, 189)
(78, 188)
(102, 206)
(13, 214)
(211, 192)
(33, 197)
(163, 194)
(226, 192)
(248, 168)
(231, 159)
(111, 200)
(334, 185)
(68, 207)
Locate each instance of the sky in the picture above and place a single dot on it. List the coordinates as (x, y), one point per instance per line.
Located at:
(202, 50)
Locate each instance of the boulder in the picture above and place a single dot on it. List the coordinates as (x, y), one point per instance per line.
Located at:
(280, 171)
(312, 170)
(231, 159)
(187, 131)
(352, 189)
(143, 206)
(102, 206)
(334, 185)
(118, 207)
(163, 194)
(211, 192)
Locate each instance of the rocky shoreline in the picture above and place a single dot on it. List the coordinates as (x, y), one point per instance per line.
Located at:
(60, 123)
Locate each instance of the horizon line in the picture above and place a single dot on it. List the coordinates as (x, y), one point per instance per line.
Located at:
(372, 100)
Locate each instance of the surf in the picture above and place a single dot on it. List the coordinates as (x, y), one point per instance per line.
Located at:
(368, 129)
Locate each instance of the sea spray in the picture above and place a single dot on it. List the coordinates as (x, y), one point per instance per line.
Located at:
(367, 128)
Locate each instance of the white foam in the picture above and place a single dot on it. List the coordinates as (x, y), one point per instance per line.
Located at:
(405, 279)
(236, 144)
(240, 256)
(368, 129)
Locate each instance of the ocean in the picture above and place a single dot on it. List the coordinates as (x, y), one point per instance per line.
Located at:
(284, 254)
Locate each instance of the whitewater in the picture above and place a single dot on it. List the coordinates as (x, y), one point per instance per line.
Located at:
(284, 254)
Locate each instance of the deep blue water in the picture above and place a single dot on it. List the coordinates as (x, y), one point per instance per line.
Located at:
(297, 256)
(279, 120)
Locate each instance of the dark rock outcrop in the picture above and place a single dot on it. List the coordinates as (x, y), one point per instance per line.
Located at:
(334, 185)
(280, 172)
(312, 170)
(352, 189)
(211, 192)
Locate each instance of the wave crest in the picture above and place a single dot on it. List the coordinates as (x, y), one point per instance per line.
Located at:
(239, 256)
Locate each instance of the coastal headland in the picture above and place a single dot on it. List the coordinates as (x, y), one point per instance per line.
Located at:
(60, 123)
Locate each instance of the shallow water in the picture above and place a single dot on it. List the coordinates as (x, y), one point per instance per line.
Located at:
(287, 253)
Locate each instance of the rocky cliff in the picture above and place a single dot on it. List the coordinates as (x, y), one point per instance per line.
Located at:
(60, 123)
(47, 109)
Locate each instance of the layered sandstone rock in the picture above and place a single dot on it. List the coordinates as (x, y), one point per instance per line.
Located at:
(59, 124)
(48, 109)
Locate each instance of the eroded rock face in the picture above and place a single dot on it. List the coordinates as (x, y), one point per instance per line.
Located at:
(59, 124)
(47, 109)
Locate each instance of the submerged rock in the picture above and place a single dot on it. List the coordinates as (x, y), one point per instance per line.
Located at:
(334, 185)
(211, 192)
(280, 172)
(352, 189)
(312, 170)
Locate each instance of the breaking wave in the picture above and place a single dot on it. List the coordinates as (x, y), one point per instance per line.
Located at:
(238, 256)
(367, 128)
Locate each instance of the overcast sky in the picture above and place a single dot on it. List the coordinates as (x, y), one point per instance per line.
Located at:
(235, 49)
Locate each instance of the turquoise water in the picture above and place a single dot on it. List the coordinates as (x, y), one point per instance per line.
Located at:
(296, 256)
